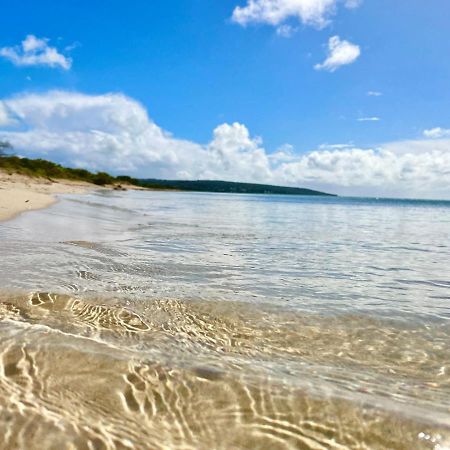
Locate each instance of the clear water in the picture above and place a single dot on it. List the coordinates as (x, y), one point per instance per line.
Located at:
(191, 320)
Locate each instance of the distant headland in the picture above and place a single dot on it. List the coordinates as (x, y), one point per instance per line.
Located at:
(228, 187)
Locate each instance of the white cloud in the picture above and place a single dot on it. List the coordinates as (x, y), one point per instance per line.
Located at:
(284, 153)
(391, 170)
(339, 53)
(6, 118)
(335, 146)
(286, 31)
(310, 12)
(436, 133)
(72, 46)
(374, 94)
(35, 52)
(351, 4)
(113, 132)
(369, 119)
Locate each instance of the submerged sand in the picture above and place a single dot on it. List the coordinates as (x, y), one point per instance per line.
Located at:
(19, 193)
(95, 374)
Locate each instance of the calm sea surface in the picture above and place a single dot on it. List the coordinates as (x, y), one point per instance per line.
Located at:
(166, 320)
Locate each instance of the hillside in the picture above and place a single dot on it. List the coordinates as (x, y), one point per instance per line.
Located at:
(229, 187)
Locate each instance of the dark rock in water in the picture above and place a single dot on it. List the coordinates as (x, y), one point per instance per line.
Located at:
(119, 187)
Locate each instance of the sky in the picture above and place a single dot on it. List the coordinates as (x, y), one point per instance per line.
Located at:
(347, 96)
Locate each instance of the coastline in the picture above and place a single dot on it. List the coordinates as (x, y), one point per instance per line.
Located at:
(21, 193)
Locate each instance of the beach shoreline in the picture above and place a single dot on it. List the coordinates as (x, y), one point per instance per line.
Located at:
(21, 193)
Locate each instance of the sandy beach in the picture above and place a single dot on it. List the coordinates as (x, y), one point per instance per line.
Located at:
(19, 193)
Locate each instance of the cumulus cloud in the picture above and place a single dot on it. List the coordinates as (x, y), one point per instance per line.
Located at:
(436, 133)
(309, 12)
(285, 153)
(340, 53)
(35, 52)
(374, 94)
(375, 171)
(113, 132)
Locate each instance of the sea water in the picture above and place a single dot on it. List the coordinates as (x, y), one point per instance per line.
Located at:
(173, 320)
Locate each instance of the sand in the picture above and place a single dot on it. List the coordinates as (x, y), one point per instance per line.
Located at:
(19, 193)
(87, 373)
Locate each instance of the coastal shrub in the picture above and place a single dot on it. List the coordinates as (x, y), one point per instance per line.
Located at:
(52, 171)
(127, 179)
(103, 178)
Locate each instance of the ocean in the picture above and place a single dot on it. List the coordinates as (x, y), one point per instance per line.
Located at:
(173, 320)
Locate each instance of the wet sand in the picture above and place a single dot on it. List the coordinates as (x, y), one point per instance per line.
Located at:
(19, 193)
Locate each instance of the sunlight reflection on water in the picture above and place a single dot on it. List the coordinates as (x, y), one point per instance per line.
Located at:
(314, 322)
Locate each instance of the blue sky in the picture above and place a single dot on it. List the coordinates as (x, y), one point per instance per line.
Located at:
(198, 66)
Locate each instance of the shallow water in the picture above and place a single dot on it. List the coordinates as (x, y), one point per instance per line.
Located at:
(199, 321)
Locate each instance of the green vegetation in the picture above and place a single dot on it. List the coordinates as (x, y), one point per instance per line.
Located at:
(229, 187)
(52, 171)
